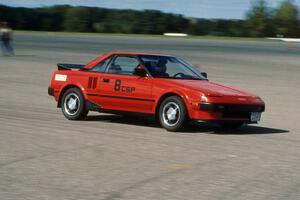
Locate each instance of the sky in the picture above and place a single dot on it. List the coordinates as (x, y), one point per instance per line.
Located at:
(225, 9)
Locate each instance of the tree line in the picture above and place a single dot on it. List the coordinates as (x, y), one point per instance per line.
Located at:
(260, 21)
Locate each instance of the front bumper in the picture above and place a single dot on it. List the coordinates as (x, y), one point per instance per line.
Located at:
(221, 107)
(227, 112)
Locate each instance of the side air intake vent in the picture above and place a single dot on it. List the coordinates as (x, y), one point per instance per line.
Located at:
(92, 82)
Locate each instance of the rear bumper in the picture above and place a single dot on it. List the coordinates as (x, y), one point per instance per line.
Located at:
(226, 112)
(50, 91)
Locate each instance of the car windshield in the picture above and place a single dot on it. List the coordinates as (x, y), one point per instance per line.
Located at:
(170, 67)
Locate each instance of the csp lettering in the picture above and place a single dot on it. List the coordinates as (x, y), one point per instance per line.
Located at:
(122, 88)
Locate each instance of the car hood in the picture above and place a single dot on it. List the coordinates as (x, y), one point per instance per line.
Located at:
(211, 88)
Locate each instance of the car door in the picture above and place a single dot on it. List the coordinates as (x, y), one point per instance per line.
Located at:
(122, 90)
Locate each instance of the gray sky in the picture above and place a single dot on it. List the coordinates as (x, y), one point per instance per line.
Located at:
(233, 9)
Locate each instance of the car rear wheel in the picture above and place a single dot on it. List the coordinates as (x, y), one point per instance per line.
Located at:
(172, 113)
(73, 104)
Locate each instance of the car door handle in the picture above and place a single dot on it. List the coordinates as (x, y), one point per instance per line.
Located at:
(106, 80)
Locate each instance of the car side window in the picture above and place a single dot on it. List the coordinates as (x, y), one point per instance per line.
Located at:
(123, 65)
(173, 68)
(101, 66)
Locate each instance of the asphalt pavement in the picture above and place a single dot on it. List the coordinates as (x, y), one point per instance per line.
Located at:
(107, 157)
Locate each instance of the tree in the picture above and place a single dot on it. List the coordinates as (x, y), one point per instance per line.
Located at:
(286, 19)
(259, 20)
(77, 19)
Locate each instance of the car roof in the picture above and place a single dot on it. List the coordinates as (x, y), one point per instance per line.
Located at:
(99, 59)
(135, 53)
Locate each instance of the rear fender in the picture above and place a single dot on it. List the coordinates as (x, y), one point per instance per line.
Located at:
(68, 86)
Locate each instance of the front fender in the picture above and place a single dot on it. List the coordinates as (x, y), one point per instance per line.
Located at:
(187, 96)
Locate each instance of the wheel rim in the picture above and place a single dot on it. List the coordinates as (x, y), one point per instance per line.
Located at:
(72, 104)
(171, 114)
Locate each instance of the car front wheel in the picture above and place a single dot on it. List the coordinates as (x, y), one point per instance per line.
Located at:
(172, 113)
(73, 104)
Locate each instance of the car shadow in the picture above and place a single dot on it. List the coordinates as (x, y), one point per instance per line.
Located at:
(130, 120)
(193, 127)
(212, 128)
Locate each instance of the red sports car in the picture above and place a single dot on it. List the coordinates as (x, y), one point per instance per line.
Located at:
(161, 86)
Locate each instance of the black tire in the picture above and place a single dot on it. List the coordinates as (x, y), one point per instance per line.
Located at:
(73, 110)
(172, 114)
(231, 125)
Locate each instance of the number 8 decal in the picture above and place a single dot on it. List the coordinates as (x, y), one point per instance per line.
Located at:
(118, 85)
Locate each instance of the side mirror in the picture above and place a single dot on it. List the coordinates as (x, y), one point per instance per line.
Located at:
(204, 74)
(140, 71)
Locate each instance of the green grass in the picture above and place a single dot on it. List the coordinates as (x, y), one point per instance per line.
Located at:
(208, 37)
